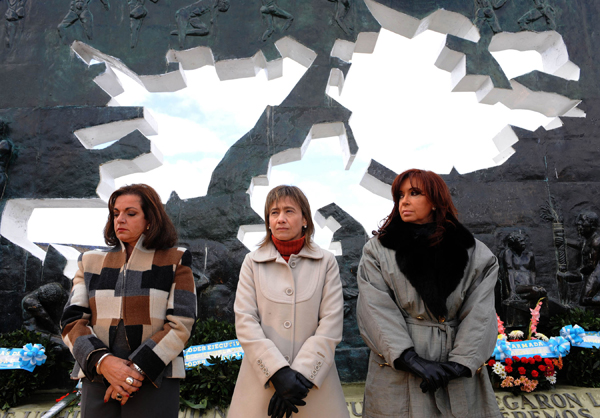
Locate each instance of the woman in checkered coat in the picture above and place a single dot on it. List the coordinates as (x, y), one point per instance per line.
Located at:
(131, 312)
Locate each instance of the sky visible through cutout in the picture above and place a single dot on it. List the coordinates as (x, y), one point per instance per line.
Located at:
(404, 116)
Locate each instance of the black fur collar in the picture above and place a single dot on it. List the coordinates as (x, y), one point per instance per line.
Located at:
(433, 271)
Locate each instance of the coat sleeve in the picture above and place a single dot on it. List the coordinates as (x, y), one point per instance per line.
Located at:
(317, 355)
(77, 332)
(262, 354)
(477, 331)
(155, 353)
(380, 320)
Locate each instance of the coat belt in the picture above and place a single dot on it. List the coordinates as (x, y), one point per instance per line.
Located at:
(455, 390)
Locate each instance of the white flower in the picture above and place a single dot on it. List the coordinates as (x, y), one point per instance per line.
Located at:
(552, 379)
(498, 368)
(540, 336)
(516, 335)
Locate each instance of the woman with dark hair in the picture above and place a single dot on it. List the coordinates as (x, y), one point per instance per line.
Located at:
(131, 312)
(426, 308)
(289, 312)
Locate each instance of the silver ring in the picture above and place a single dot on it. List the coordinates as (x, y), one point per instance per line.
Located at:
(118, 397)
(129, 381)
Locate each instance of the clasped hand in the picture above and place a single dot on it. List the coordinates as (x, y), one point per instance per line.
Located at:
(290, 388)
(435, 374)
(116, 371)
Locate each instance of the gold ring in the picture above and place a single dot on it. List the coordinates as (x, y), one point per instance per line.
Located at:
(118, 397)
(129, 380)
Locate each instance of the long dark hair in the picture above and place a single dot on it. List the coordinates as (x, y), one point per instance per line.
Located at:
(435, 189)
(294, 193)
(161, 233)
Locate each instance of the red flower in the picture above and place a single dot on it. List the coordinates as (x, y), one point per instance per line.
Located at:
(534, 373)
(522, 370)
(508, 369)
(537, 358)
(532, 361)
(542, 368)
(516, 359)
(508, 361)
(491, 362)
(548, 361)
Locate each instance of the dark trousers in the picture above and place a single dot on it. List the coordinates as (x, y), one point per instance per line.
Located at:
(148, 402)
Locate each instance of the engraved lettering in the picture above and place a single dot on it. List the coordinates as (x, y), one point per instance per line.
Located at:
(513, 406)
(596, 404)
(561, 404)
(357, 414)
(569, 413)
(572, 397)
(526, 401)
(556, 415)
(543, 401)
(519, 414)
(534, 414)
(583, 413)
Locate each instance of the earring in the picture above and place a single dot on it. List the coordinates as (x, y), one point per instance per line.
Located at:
(148, 228)
(303, 226)
(433, 208)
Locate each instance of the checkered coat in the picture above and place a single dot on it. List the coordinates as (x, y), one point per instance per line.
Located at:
(153, 293)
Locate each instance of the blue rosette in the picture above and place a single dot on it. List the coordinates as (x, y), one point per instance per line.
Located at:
(560, 346)
(574, 334)
(32, 355)
(502, 350)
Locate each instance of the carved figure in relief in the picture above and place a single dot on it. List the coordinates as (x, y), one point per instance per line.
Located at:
(517, 276)
(137, 13)
(189, 22)
(341, 11)
(587, 227)
(5, 153)
(14, 13)
(269, 10)
(79, 10)
(43, 308)
(542, 10)
(485, 14)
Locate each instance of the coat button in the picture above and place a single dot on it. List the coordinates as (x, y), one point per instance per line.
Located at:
(287, 324)
(293, 264)
(259, 361)
(289, 291)
(420, 317)
(319, 363)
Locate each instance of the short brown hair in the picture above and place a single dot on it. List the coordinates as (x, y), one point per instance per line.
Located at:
(161, 233)
(436, 190)
(294, 193)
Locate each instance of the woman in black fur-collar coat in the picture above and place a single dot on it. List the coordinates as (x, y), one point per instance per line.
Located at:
(426, 308)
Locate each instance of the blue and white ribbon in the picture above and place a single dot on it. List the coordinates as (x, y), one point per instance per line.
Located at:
(574, 334)
(502, 350)
(32, 355)
(559, 346)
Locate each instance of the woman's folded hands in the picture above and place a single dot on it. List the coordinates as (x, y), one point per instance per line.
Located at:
(290, 388)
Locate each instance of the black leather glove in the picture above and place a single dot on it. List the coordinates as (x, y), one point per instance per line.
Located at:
(456, 370)
(433, 374)
(290, 388)
(278, 406)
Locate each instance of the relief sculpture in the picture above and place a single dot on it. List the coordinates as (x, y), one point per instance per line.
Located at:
(14, 13)
(79, 10)
(269, 10)
(137, 13)
(342, 7)
(5, 155)
(189, 22)
(541, 10)
(517, 278)
(485, 14)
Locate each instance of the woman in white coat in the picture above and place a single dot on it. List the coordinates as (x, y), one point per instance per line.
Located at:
(289, 312)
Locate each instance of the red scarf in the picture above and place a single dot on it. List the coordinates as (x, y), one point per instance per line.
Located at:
(287, 248)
